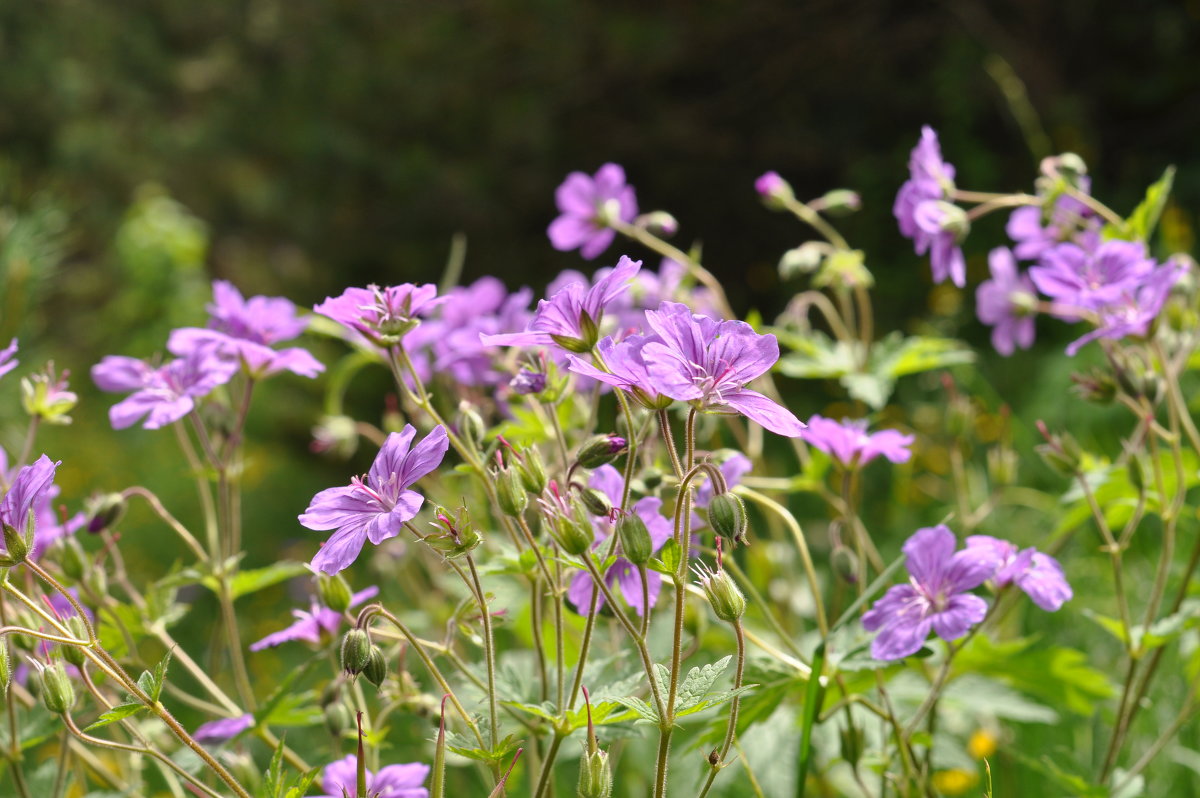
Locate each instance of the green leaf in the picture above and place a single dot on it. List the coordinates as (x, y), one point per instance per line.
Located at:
(669, 556)
(300, 789)
(895, 356)
(281, 692)
(712, 700)
(1145, 216)
(816, 356)
(117, 713)
(296, 710)
(698, 682)
(272, 783)
(460, 745)
(246, 582)
(1168, 629)
(644, 711)
(1057, 675)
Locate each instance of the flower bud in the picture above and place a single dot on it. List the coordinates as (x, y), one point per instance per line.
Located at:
(104, 511)
(334, 592)
(58, 694)
(510, 493)
(470, 424)
(338, 718)
(572, 532)
(851, 744)
(337, 435)
(635, 540)
(726, 599)
(804, 259)
(71, 558)
(528, 381)
(844, 563)
(595, 775)
(96, 581)
(652, 479)
(601, 449)
(727, 517)
(595, 501)
(74, 654)
(1061, 452)
(458, 535)
(840, 202)
(844, 269)
(1002, 466)
(356, 651)
(5, 669)
(1095, 386)
(774, 191)
(659, 223)
(377, 669)
(532, 469)
(15, 544)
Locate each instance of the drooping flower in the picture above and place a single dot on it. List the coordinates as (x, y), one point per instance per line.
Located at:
(222, 730)
(935, 597)
(163, 395)
(849, 443)
(708, 363)
(924, 214)
(340, 779)
(314, 624)
(374, 508)
(1132, 313)
(1078, 280)
(571, 317)
(623, 573)
(8, 361)
(382, 315)
(1006, 303)
(586, 205)
(1039, 575)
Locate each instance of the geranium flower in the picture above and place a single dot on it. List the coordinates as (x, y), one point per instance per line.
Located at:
(163, 395)
(1078, 280)
(320, 622)
(1006, 303)
(708, 363)
(1039, 575)
(586, 204)
(223, 729)
(394, 781)
(374, 508)
(627, 369)
(921, 209)
(935, 597)
(848, 441)
(382, 315)
(7, 360)
(1069, 221)
(30, 486)
(1134, 311)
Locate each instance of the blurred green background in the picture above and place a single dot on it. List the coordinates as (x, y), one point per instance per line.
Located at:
(296, 147)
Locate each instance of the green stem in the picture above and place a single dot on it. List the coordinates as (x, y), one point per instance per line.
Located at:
(731, 726)
(489, 650)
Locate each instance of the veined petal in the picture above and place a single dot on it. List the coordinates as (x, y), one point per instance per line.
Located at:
(929, 552)
(962, 612)
(336, 507)
(425, 456)
(765, 412)
(340, 551)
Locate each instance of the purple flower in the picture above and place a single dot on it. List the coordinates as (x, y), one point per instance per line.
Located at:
(394, 781)
(935, 597)
(315, 625)
(382, 315)
(923, 214)
(770, 184)
(622, 572)
(708, 363)
(7, 361)
(374, 508)
(1134, 311)
(222, 730)
(571, 318)
(528, 381)
(1070, 221)
(1039, 575)
(1006, 303)
(484, 307)
(586, 206)
(627, 369)
(849, 443)
(163, 395)
(1078, 280)
(30, 486)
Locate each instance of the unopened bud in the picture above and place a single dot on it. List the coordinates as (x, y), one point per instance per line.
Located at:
(727, 517)
(338, 718)
(15, 544)
(774, 191)
(74, 654)
(532, 469)
(601, 449)
(376, 670)
(635, 540)
(844, 269)
(726, 599)
(96, 581)
(1061, 452)
(71, 558)
(5, 668)
(595, 501)
(334, 592)
(844, 563)
(595, 775)
(652, 478)
(851, 739)
(356, 651)
(804, 259)
(573, 532)
(1002, 466)
(457, 536)
(470, 424)
(58, 694)
(841, 202)
(528, 382)
(660, 223)
(103, 512)
(1095, 386)
(510, 493)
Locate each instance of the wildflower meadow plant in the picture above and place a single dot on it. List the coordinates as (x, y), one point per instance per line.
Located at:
(592, 573)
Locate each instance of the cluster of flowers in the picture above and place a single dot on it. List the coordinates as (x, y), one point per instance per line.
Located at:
(1081, 274)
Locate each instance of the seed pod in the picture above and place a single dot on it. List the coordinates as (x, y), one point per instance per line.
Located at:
(636, 544)
(377, 668)
(595, 501)
(334, 592)
(5, 668)
(595, 775)
(58, 694)
(356, 651)
(726, 599)
(841, 202)
(573, 532)
(601, 449)
(727, 517)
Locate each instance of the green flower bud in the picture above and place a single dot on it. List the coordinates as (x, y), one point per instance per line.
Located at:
(851, 739)
(804, 259)
(510, 492)
(356, 651)
(103, 512)
(96, 581)
(636, 544)
(337, 435)
(1095, 386)
(532, 469)
(601, 449)
(5, 668)
(1060, 452)
(652, 479)
(845, 563)
(844, 269)
(660, 223)
(458, 536)
(727, 517)
(74, 654)
(338, 718)
(726, 599)
(15, 544)
(58, 694)
(470, 424)
(841, 202)
(71, 558)
(572, 532)
(334, 592)
(595, 501)
(377, 668)
(595, 775)
(1002, 466)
